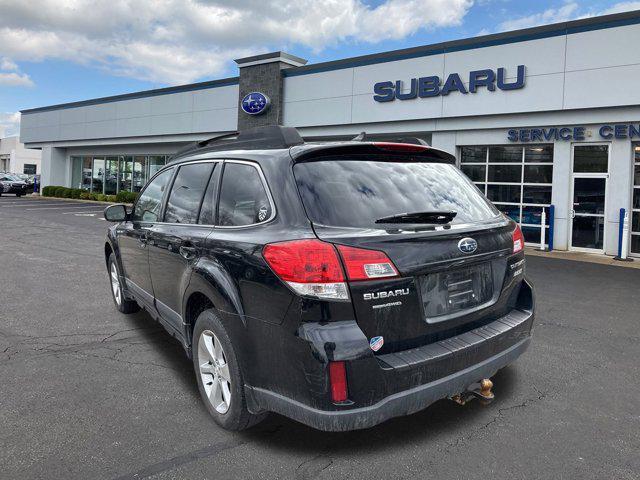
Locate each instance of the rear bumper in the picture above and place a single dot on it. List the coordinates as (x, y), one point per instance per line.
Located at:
(384, 386)
(399, 404)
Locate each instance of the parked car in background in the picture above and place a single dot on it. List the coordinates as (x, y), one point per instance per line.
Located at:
(13, 184)
(340, 284)
(26, 178)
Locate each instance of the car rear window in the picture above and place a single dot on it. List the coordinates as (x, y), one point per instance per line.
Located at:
(354, 193)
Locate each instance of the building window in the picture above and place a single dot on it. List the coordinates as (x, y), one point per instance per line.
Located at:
(4, 163)
(517, 179)
(112, 174)
(29, 169)
(635, 205)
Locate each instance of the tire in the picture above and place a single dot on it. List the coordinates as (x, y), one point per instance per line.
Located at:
(221, 389)
(122, 304)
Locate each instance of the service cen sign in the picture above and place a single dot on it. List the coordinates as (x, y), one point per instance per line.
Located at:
(425, 87)
(579, 133)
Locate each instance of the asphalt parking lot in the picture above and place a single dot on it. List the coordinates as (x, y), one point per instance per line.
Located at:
(86, 392)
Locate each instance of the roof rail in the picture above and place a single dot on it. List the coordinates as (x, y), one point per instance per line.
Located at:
(273, 136)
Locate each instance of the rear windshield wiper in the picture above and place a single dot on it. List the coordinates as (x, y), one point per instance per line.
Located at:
(419, 217)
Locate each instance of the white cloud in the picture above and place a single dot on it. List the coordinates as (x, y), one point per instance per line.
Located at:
(569, 11)
(9, 123)
(13, 79)
(7, 64)
(175, 41)
(11, 76)
(621, 7)
(551, 15)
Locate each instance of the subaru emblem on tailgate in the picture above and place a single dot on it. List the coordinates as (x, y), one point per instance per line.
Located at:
(467, 245)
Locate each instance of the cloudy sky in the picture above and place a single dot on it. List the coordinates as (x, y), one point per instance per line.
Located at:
(55, 51)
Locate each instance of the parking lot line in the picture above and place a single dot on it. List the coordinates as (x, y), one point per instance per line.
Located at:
(82, 212)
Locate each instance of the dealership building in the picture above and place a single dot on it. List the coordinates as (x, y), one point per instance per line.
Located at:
(547, 116)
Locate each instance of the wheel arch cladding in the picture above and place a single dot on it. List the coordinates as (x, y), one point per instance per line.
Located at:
(196, 303)
(108, 250)
(215, 283)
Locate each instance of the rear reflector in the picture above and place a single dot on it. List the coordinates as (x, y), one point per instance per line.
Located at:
(338, 381)
(400, 147)
(362, 264)
(518, 239)
(310, 267)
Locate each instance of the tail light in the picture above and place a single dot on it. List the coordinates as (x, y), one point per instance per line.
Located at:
(518, 239)
(338, 381)
(310, 267)
(400, 147)
(362, 264)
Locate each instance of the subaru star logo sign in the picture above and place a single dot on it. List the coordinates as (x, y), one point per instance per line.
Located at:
(255, 103)
(467, 245)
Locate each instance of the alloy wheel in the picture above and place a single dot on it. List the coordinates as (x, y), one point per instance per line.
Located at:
(115, 284)
(214, 371)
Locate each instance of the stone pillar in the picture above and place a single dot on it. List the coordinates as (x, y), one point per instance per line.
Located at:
(263, 73)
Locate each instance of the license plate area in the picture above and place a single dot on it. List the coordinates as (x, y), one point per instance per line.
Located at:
(454, 291)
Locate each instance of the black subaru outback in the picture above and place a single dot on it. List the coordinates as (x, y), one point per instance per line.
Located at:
(339, 284)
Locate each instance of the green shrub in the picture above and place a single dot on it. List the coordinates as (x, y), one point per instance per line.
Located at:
(127, 197)
(64, 192)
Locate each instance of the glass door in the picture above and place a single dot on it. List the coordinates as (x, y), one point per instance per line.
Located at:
(97, 182)
(111, 176)
(589, 193)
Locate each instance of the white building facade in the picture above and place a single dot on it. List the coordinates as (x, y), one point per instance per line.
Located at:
(548, 116)
(15, 158)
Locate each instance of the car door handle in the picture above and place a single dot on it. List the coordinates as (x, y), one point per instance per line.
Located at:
(142, 240)
(189, 252)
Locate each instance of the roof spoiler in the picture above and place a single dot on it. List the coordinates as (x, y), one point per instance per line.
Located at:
(413, 150)
(365, 137)
(273, 136)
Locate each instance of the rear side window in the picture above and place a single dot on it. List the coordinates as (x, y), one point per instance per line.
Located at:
(355, 193)
(148, 206)
(243, 198)
(187, 192)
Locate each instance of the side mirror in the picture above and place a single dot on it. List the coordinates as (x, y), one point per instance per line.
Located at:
(115, 213)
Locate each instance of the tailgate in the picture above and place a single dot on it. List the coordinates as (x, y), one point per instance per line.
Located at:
(440, 292)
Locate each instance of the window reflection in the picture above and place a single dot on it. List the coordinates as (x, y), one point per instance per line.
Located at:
(139, 179)
(126, 169)
(98, 175)
(112, 174)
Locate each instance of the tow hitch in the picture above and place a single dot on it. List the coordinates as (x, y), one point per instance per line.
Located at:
(481, 391)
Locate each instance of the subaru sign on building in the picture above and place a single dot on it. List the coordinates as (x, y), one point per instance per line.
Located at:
(547, 116)
(255, 103)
